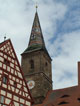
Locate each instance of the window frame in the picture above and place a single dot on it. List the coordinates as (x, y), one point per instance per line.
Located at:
(2, 98)
(15, 84)
(21, 104)
(5, 81)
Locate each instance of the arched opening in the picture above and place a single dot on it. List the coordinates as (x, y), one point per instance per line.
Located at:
(46, 64)
(31, 64)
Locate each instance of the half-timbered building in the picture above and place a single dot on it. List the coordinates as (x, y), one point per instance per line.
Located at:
(13, 87)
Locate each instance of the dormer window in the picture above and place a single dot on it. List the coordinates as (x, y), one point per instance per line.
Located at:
(64, 96)
(37, 30)
(32, 37)
(78, 99)
(62, 103)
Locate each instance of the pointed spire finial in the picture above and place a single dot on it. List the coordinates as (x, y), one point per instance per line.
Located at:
(5, 37)
(36, 6)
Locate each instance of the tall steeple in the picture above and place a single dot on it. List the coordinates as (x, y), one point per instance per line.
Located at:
(36, 37)
(36, 64)
(36, 40)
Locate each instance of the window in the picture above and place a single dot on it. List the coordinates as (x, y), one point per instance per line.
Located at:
(65, 96)
(5, 79)
(31, 64)
(78, 99)
(15, 84)
(32, 37)
(37, 30)
(21, 104)
(6, 62)
(2, 99)
(46, 64)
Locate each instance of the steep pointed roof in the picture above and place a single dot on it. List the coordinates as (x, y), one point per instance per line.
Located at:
(36, 41)
(36, 37)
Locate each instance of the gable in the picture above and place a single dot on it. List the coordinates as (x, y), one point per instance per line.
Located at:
(7, 48)
(9, 66)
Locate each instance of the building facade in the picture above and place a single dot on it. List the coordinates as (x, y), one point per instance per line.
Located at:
(13, 88)
(36, 64)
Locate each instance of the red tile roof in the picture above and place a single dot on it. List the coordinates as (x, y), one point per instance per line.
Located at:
(63, 97)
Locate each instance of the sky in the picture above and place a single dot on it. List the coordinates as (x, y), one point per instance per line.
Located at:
(60, 23)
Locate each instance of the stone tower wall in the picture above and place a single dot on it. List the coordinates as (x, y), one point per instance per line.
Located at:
(41, 74)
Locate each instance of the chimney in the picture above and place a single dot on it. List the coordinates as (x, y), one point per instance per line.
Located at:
(78, 73)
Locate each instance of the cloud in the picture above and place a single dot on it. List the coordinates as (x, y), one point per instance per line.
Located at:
(60, 22)
(65, 61)
(16, 18)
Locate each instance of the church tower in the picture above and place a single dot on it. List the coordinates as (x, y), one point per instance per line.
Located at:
(36, 64)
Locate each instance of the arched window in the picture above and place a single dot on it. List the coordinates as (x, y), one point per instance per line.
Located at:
(31, 64)
(46, 64)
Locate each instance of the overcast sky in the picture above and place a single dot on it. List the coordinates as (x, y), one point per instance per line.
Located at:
(60, 23)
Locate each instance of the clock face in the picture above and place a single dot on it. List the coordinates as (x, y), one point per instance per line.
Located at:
(31, 84)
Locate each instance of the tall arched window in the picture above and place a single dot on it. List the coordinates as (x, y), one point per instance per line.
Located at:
(31, 64)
